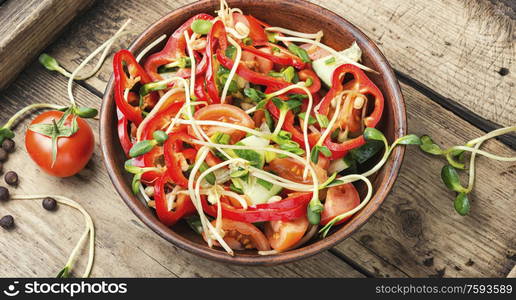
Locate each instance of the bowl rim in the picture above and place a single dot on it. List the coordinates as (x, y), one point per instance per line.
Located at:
(392, 166)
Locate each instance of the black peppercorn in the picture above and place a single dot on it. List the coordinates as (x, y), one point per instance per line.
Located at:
(4, 194)
(3, 155)
(11, 178)
(49, 203)
(8, 145)
(7, 222)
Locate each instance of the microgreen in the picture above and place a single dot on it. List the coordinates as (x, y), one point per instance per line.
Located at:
(201, 27)
(210, 178)
(300, 52)
(284, 107)
(314, 155)
(254, 94)
(330, 61)
(322, 120)
(311, 120)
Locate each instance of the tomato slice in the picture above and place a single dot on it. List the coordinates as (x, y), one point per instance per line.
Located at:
(339, 199)
(256, 62)
(241, 236)
(226, 113)
(284, 234)
(293, 169)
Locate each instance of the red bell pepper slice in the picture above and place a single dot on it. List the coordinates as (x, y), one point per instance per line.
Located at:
(277, 54)
(123, 134)
(173, 50)
(216, 39)
(173, 147)
(161, 119)
(365, 86)
(287, 209)
(256, 31)
(125, 59)
(183, 205)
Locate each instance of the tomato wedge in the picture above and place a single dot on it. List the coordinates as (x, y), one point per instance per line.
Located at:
(284, 234)
(241, 236)
(226, 113)
(293, 169)
(339, 199)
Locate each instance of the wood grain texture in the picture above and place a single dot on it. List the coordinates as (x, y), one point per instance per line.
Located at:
(459, 48)
(40, 243)
(27, 27)
(417, 229)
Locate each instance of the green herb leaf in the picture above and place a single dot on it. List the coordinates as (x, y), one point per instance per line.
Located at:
(210, 178)
(235, 189)
(201, 27)
(135, 184)
(230, 51)
(461, 204)
(373, 134)
(64, 273)
(311, 120)
(451, 179)
(195, 223)
(239, 173)
(247, 41)
(322, 120)
(308, 82)
(314, 155)
(284, 135)
(221, 138)
(254, 94)
(86, 112)
(313, 213)
(6, 133)
(151, 87)
(49, 62)
(300, 52)
(268, 120)
(271, 37)
(325, 151)
(142, 147)
(298, 97)
(160, 136)
(431, 149)
(131, 168)
(328, 181)
(410, 139)
(264, 183)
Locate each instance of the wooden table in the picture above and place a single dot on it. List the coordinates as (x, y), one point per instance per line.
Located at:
(455, 60)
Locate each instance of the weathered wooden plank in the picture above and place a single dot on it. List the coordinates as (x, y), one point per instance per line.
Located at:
(417, 229)
(26, 27)
(125, 247)
(461, 49)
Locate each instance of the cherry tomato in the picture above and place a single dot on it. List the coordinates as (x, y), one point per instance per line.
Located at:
(241, 235)
(293, 169)
(226, 113)
(339, 199)
(73, 153)
(284, 234)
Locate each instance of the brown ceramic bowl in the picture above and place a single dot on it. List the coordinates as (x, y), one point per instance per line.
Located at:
(297, 15)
